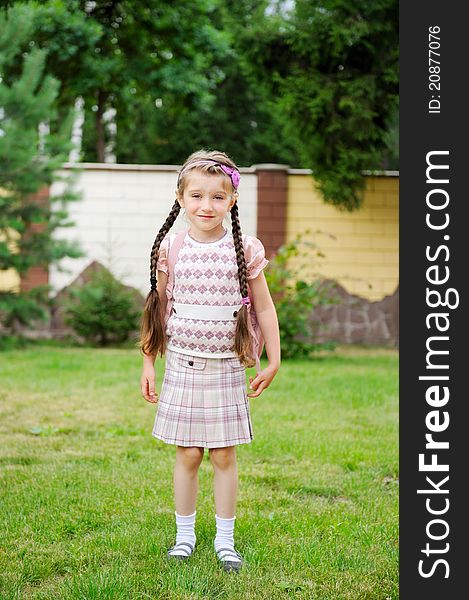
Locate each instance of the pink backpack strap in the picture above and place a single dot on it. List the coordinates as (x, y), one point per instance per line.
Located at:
(253, 324)
(172, 258)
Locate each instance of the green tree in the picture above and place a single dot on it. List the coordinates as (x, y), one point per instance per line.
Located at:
(333, 64)
(244, 117)
(311, 84)
(124, 55)
(103, 311)
(241, 116)
(29, 161)
(175, 73)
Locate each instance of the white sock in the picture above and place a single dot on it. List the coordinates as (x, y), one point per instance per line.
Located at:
(185, 533)
(225, 537)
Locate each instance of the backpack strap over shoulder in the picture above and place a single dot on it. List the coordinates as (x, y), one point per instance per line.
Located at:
(174, 251)
(255, 332)
(172, 259)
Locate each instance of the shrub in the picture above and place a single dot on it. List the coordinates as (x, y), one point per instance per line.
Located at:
(295, 299)
(103, 311)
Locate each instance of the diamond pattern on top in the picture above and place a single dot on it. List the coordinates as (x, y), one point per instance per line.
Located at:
(207, 277)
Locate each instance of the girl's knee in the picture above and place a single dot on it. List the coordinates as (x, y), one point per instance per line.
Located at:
(191, 456)
(223, 458)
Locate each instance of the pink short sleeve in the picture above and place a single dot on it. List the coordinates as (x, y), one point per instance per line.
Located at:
(254, 253)
(162, 264)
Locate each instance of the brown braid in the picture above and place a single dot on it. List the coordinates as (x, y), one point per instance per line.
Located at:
(159, 238)
(243, 344)
(152, 330)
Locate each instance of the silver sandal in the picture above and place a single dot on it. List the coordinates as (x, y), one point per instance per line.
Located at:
(225, 556)
(185, 547)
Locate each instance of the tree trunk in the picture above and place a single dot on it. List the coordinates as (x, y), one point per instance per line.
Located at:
(100, 143)
(77, 130)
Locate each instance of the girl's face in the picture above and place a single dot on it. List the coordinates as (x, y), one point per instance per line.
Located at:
(206, 199)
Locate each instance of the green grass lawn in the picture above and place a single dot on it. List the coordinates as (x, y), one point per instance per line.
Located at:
(86, 493)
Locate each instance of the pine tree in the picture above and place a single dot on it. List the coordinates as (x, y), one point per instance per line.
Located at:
(32, 149)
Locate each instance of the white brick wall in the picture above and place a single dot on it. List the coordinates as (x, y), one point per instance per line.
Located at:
(121, 210)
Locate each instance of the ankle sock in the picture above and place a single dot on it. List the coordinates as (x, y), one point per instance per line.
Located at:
(185, 533)
(225, 538)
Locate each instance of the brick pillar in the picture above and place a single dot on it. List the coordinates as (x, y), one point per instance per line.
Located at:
(38, 275)
(272, 190)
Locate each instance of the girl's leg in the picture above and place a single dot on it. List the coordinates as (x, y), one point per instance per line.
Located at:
(186, 482)
(185, 494)
(225, 480)
(225, 487)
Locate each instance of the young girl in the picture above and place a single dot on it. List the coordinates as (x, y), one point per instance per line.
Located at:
(207, 338)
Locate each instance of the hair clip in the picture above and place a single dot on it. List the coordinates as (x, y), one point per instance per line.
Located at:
(246, 301)
(232, 173)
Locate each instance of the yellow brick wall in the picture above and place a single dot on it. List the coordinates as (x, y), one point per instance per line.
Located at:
(360, 248)
(9, 279)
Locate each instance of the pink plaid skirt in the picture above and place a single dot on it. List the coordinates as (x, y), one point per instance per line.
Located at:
(203, 402)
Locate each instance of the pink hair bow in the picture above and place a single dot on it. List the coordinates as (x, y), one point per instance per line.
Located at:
(232, 173)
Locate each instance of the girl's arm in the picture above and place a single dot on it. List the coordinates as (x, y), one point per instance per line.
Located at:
(147, 380)
(268, 322)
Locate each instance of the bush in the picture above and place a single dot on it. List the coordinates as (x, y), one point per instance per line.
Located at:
(295, 299)
(103, 311)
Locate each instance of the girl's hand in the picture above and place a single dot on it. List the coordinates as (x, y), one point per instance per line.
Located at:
(261, 381)
(147, 383)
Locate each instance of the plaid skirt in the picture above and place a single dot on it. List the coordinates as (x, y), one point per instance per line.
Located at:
(203, 402)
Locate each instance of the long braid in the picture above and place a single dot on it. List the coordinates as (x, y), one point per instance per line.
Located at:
(243, 344)
(159, 238)
(152, 330)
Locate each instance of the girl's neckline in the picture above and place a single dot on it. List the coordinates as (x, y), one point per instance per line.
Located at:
(208, 243)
